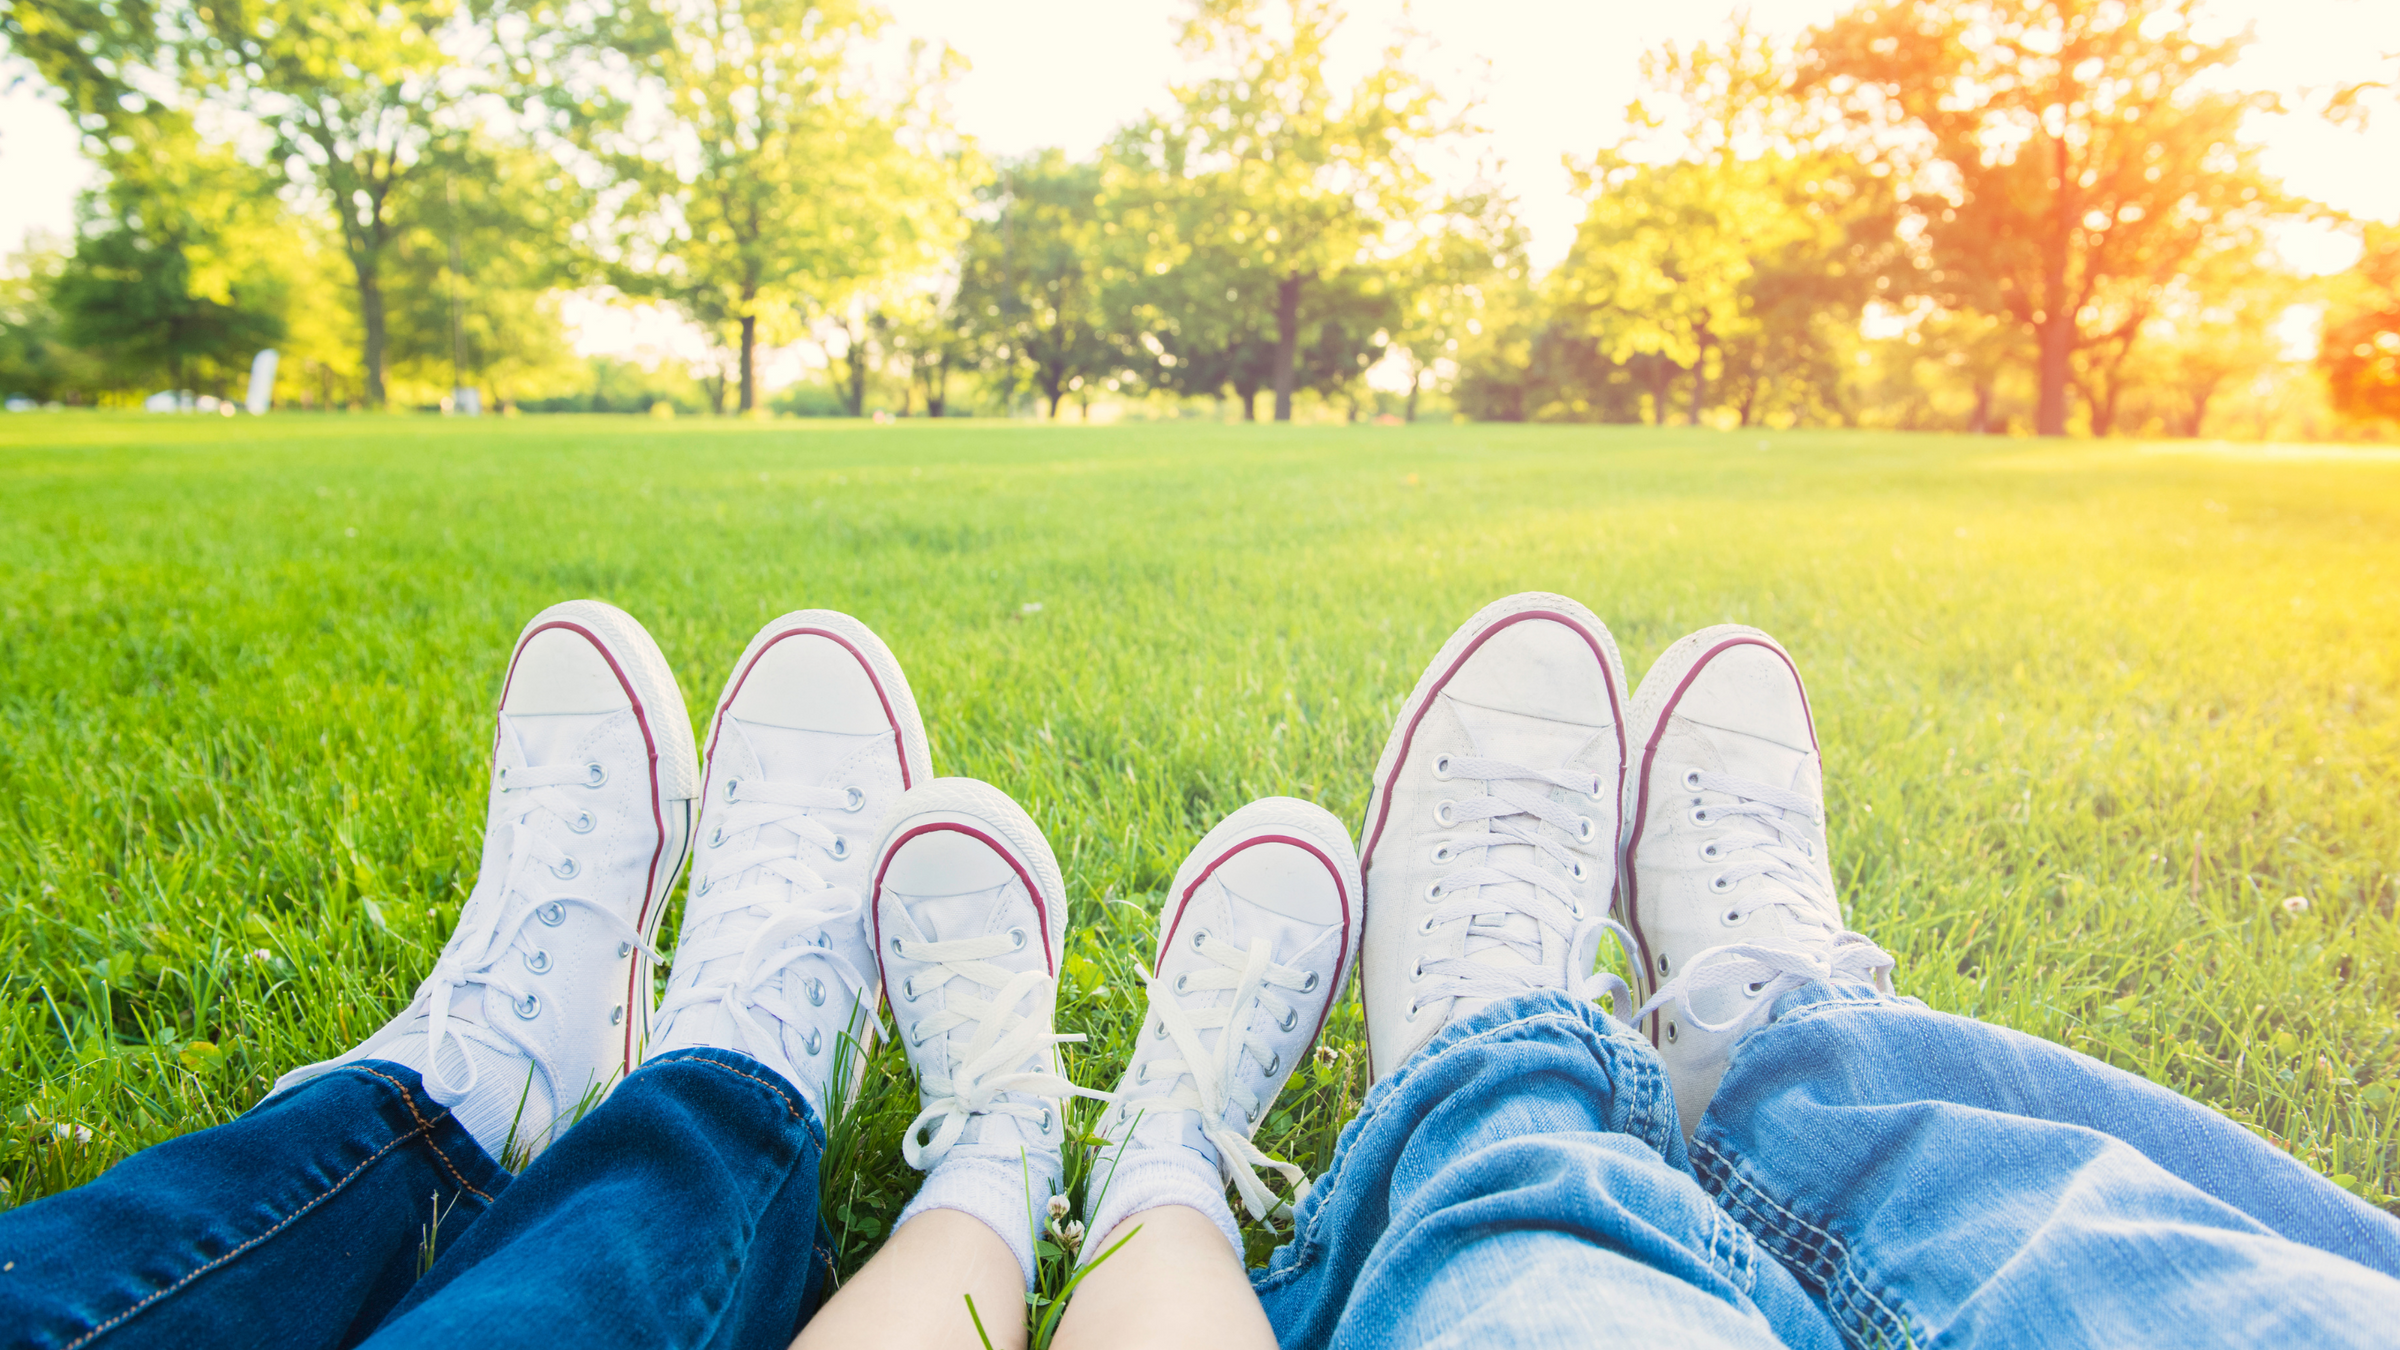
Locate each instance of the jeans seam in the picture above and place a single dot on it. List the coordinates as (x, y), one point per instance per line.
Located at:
(1811, 1252)
(425, 1127)
(280, 1225)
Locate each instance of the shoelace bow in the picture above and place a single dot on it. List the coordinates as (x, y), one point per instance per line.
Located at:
(797, 901)
(1509, 814)
(1012, 1030)
(1208, 1082)
(1778, 847)
(492, 925)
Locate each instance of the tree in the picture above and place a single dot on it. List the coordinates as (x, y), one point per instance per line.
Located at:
(1449, 283)
(1033, 274)
(760, 170)
(173, 274)
(2360, 351)
(2067, 157)
(1312, 180)
(36, 360)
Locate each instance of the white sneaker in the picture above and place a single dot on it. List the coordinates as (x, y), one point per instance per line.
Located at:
(970, 926)
(1256, 936)
(1492, 827)
(814, 738)
(541, 996)
(1727, 889)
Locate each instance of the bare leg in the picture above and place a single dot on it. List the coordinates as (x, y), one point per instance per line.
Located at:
(1175, 1284)
(914, 1291)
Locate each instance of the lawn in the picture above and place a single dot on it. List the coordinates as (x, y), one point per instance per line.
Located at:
(2112, 730)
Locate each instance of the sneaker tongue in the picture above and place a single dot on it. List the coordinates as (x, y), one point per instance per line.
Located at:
(1537, 743)
(1746, 754)
(554, 738)
(794, 753)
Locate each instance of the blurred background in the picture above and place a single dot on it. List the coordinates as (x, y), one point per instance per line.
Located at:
(2090, 217)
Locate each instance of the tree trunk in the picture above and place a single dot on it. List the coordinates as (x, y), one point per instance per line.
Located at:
(1415, 380)
(1660, 375)
(749, 363)
(1980, 421)
(1699, 381)
(1287, 343)
(1056, 396)
(378, 341)
(2058, 316)
(1249, 405)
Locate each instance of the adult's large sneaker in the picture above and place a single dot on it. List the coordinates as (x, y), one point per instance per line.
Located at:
(539, 1001)
(1728, 891)
(814, 738)
(1491, 832)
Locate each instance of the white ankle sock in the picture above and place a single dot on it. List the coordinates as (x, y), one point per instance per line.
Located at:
(994, 1190)
(1145, 1178)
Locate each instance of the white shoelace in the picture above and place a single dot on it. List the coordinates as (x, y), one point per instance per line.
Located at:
(794, 898)
(1209, 1083)
(1777, 846)
(1010, 1030)
(1510, 815)
(490, 929)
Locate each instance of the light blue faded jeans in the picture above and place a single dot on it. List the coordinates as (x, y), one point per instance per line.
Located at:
(1870, 1174)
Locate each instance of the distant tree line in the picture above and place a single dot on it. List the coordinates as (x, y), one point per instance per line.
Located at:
(1965, 214)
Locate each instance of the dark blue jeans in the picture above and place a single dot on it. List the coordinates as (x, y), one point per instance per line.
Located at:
(681, 1212)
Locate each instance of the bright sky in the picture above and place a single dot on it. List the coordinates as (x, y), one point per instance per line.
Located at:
(1555, 75)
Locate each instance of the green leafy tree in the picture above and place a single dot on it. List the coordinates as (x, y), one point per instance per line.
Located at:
(2067, 158)
(36, 360)
(1450, 286)
(1311, 178)
(762, 174)
(1033, 275)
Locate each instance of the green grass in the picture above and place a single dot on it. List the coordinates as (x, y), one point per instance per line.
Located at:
(2092, 711)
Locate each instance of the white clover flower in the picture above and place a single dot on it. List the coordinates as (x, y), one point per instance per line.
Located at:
(1059, 1208)
(2295, 904)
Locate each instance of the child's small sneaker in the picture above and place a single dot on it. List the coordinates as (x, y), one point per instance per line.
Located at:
(537, 1003)
(970, 925)
(1257, 934)
(814, 738)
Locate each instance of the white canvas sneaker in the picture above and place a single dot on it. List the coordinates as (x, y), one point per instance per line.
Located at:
(538, 1002)
(970, 926)
(814, 738)
(1491, 830)
(1253, 943)
(1727, 890)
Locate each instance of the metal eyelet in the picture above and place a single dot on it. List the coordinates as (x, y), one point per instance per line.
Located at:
(624, 949)
(1443, 813)
(504, 778)
(1018, 934)
(1710, 851)
(1274, 1064)
(895, 946)
(1585, 828)
(1309, 983)
(1197, 934)
(1720, 885)
(1691, 780)
(1441, 768)
(1410, 1015)
(855, 799)
(1577, 870)
(616, 1015)
(816, 993)
(528, 1008)
(1291, 1018)
(730, 785)
(1417, 971)
(566, 871)
(553, 914)
(583, 822)
(708, 885)
(815, 1041)
(1181, 985)
(840, 849)
(1161, 1032)
(538, 961)
(716, 837)
(1662, 963)
(1425, 929)
(1699, 815)
(594, 774)
(1442, 853)
(1733, 916)
(908, 989)
(1047, 1120)
(1433, 893)
(1755, 986)
(1670, 1033)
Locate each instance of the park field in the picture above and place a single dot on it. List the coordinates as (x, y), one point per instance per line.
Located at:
(2112, 730)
